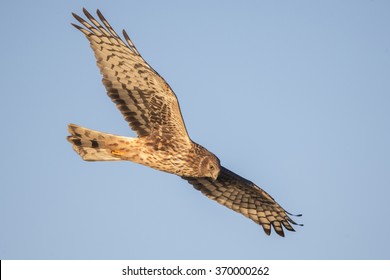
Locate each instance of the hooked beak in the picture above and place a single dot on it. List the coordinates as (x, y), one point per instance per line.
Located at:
(214, 176)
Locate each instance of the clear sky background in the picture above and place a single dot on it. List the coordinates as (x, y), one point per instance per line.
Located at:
(293, 95)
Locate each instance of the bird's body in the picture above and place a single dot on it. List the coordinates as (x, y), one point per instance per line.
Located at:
(152, 110)
(94, 145)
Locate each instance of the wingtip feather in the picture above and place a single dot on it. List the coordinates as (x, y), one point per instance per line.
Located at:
(76, 16)
(267, 230)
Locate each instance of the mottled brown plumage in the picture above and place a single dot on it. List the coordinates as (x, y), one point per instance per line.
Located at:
(149, 105)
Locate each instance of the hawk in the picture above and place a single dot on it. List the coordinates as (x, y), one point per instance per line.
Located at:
(151, 109)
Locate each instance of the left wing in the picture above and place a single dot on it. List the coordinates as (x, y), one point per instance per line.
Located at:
(243, 196)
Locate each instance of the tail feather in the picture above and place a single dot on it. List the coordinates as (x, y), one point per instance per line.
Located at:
(92, 145)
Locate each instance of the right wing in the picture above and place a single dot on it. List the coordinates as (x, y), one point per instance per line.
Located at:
(143, 97)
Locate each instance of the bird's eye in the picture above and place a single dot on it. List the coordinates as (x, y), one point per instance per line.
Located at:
(212, 167)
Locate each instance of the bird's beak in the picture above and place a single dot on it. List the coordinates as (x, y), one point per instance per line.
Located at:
(214, 176)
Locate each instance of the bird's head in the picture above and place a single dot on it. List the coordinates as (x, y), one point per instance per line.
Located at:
(210, 167)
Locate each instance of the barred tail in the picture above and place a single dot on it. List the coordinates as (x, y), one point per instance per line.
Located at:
(92, 145)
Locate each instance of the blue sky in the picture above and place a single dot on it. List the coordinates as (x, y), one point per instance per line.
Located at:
(293, 95)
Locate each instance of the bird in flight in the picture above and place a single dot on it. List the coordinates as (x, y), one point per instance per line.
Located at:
(152, 110)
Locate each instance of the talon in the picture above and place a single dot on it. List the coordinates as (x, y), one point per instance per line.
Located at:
(117, 153)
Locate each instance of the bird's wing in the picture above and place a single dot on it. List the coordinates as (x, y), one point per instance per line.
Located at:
(243, 196)
(143, 97)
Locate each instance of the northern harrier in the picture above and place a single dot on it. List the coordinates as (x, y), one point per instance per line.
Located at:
(151, 108)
